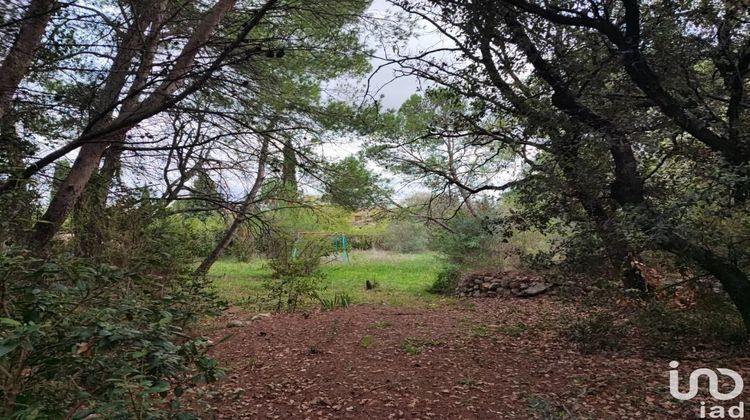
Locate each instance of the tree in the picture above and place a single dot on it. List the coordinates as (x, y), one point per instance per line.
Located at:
(104, 129)
(594, 117)
(351, 185)
(17, 61)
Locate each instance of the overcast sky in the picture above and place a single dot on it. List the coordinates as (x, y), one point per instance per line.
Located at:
(385, 79)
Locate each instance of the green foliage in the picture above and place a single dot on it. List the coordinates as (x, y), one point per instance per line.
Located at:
(513, 330)
(415, 345)
(295, 264)
(350, 185)
(404, 236)
(475, 329)
(446, 281)
(62, 169)
(489, 241)
(366, 341)
(380, 324)
(339, 300)
(244, 246)
(313, 218)
(547, 410)
(292, 292)
(468, 240)
(712, 320)
(91, 339)
(402, 279)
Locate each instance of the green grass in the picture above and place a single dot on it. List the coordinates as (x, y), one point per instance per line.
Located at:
(402, 279)
(413, 345)
(367, 341)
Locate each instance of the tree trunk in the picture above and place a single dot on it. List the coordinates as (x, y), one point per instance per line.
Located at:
(70, 190)
(163, 97)
(89, 217)
(90, 221)
(733, 280)
(620, 257)
(19, 58)
(565, 147)
(289, 169)
(241, 217)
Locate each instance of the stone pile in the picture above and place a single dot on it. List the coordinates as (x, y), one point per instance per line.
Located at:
(504, 284)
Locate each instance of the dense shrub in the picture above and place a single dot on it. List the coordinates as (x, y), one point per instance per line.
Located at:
(295, 262)
(244, 246)
(487, 242)
(712, 320)
(447, 281)
(404, 236)
(80, 338)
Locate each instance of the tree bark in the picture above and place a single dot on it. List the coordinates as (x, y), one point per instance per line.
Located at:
(642, 74)
(289, 168)
(241, 217)
(16, 64)
(628, 188)
(62, 203)
(615, 244)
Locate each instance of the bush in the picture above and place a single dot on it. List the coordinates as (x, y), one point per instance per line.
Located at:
(81, 338)
(244, 246)
(469, 238)
(489, 242)
(712, 320)
(405, 237)
(296, 276)
(446, 282)
(140, 235)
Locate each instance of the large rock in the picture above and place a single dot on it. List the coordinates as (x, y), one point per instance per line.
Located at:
(534, 289)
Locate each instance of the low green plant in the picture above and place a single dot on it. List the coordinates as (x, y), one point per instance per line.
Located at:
(711, 320)
(475, 329)
(296, 278)
(468, 381)
(546, 410)
(413, 345)
(291, 293)
(380, 324)
(339, 300)
(513, 330)
(367, 341)
(446, 281)
(82, 339)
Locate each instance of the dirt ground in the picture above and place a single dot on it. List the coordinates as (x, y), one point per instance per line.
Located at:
(476, 359)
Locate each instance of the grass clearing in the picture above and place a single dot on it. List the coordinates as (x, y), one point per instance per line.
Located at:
(402, 279)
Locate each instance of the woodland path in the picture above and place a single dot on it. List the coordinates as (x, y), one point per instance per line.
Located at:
(475, 359)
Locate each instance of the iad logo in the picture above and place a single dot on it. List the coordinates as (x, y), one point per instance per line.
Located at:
(715, 412)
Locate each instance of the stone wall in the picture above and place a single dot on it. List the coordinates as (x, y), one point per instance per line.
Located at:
(504, 284)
